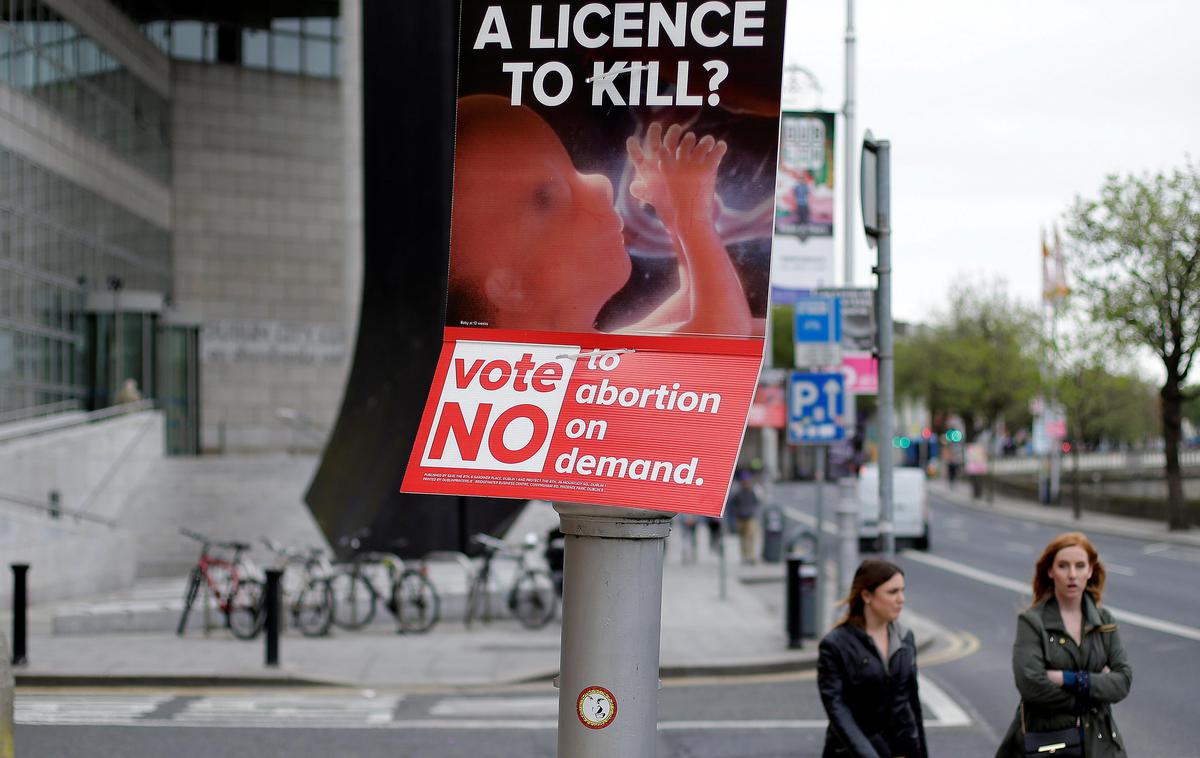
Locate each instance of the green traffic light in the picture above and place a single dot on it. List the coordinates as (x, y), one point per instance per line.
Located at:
(954, 435)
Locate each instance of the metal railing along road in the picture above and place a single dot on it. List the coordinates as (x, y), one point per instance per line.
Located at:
(1132, 459)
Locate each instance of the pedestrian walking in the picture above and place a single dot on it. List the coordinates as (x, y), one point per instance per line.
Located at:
(743, 504)
(687, 530)
(867, 672)
(716, 527)
(1068, 661)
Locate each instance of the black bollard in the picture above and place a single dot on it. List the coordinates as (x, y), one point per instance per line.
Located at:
(20, 600)
(792, 604)
(272, 610)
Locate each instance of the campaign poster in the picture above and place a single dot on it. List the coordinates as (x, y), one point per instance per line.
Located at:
(803, 258)
(610, 251)
(804, 184)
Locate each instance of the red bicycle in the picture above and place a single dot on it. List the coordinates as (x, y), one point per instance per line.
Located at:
(233, 583)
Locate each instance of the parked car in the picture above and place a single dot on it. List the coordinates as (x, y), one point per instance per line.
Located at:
(910, 507)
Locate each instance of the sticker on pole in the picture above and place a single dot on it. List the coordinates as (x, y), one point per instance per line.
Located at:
(596, 707)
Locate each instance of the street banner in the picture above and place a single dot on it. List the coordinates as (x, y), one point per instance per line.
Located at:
(804, 196)
(610, 252)
(804, 183)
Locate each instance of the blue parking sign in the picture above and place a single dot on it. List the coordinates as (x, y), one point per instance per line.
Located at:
(816, 407)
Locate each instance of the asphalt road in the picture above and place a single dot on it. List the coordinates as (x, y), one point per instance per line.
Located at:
(1157, 585)
(971, 582)
(748, 717)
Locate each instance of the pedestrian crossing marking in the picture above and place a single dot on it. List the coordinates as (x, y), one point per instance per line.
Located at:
(275, 711)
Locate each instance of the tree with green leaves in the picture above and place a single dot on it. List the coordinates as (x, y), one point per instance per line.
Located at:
(977, 360)
(1104, 403)
(1136, 253)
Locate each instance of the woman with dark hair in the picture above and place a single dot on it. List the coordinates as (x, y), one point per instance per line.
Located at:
(1068, 660)
(867, 672)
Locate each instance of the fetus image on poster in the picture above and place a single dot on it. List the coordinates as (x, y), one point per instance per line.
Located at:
(537, 244)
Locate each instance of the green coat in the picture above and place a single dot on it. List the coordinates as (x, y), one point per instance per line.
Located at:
(1043, 644)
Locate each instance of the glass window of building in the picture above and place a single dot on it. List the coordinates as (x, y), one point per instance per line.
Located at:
(213, 33)
(59, 242)
(46, 57)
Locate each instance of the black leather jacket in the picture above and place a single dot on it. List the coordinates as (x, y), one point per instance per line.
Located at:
(874, 712)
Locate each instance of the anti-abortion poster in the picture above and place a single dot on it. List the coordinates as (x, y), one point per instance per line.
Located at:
(610, 251)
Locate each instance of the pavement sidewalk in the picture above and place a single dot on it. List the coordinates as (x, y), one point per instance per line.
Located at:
(703, 634)
(129, 637)
(1062, 516)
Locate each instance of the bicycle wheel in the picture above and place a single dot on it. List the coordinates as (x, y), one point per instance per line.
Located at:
(353, 600)
(313, 609)
(416, 601)
(532, 599)
(246, 611)
(189, 598)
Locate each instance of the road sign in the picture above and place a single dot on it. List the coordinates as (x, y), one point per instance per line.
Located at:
(816, 407)
(868, 187)
(857, 305)
(861, 371)
(818, 331)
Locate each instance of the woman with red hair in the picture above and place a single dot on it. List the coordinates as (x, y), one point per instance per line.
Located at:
(1068, 661)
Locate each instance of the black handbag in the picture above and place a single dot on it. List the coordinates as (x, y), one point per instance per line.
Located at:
(1062, 743)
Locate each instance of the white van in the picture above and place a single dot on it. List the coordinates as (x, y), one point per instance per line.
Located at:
(910, 507)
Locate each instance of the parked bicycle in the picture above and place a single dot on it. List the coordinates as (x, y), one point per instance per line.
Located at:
(233, 582)
(306, 587)
(375, 578)
(532, 597)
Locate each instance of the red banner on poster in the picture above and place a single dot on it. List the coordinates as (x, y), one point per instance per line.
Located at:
(609, 252)
(642, 427)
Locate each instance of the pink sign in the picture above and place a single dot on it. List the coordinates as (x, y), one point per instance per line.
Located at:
(861, 371)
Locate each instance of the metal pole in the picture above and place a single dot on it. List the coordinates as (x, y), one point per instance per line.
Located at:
(847, 519)
(1055, 447)
(849, 140)
(272, 623)
(723, 566)
(612, 614)
(887, 398)
(20, 601)
(7, 699)
(819, 476)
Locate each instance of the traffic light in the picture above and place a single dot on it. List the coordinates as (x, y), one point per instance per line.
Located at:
(954, 435)
(1066, 447)
(901, 442)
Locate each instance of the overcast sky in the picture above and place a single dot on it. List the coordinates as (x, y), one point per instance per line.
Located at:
(999, 114)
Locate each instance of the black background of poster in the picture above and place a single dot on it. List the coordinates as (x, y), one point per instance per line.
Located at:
(408, 119)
